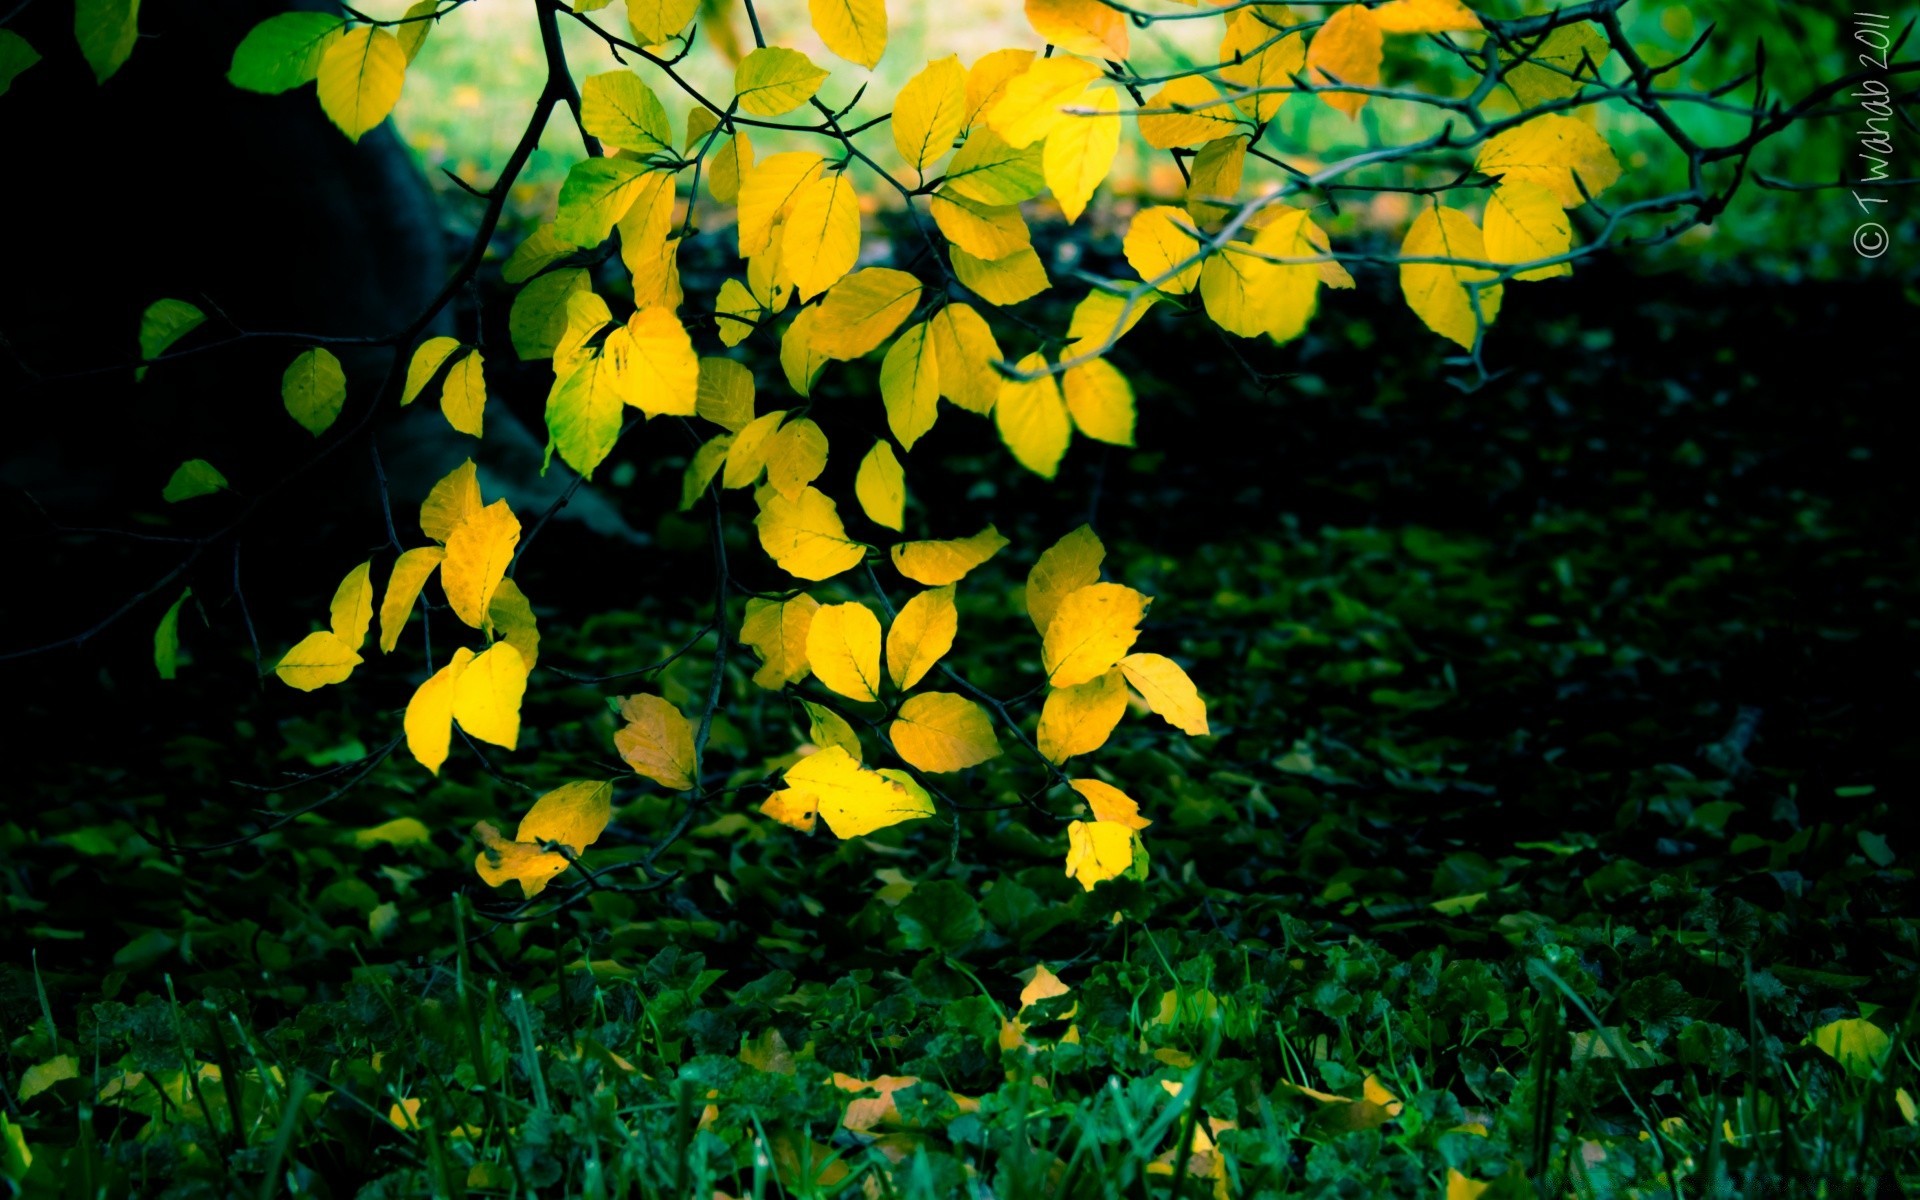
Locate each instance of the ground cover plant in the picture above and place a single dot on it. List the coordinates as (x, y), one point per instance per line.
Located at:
(1212, 601)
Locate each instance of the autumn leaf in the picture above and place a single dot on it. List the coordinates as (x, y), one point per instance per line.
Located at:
(843, 650)
(804, 535)
(1346, 50)
(1080, 719)
(940, 731)
(921, 634)
(1090, 631)
(1167, 691)
(881, 486)
(478, 552)
(1063, 568)
(852, 799)
(777, 631)
(320, 658)
(559, 826)
(937, 563)
(656, 741)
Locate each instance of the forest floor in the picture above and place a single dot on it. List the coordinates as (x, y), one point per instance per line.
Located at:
(1546, 835)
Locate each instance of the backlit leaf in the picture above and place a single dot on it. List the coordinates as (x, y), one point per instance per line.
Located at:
(660, 373)
(772, 81)
(1167, 691)
(107, 31)
(166, 638)
(621, 110)
(195, 477)
(1019, 276)
(939, 732)
(360, 78)
(1199, 115)
(1100, 401)
(510, 615)
(1159, 243)
(486, 696)
(1080, 719)
(777, 631)
(1524, 223)
(796, 455)
(1425, 16)
(595, 195)
(351, 612)
(1032, 418)
(450, 501)
(655, 21)
(1063, 568)
(984, 231)
(1436, 291)
(429, 720)
(539, 313)
(1098, 851)
(910, 384)
(314, 389)
(478, 551)
(863, 309)
(1346, 50)
(937, 563)
(1109, 803)
(804, 536)
(843, 650)
(426, 362)
(988, 171)
(856, 30)
(1029, 107)
(1266, 58)
(656, 741)
(1090, 631)
(851, 799)
(1560, 64)
(966, 349)
(284, 51)
(881, 486)
(921, 634)
(725, 393)
(820, 239)
(1080, 27)
(463, 397)
(317, 660)
(1553, 151)
(929, 112)
(410, 574)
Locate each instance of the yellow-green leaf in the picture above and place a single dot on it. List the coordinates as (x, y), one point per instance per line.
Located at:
(314, 389)
(317, 660)
(767, 192)
(1080, 719)
(938, 563)
(538, 317)
(596, 194)
(463, 397)
(573, 815)
(771, 81)
(655, 21)
(930, 111)
(1090, 631)
(820, 240)
(939, 732)
(478, 551)
(777, 631)
(164, 323)
(1167, 691)
(1019, 276)
(801, 358)
(921, 634)
(989, 171)
(843, 650)
(747, 457)
(881, 486)
(725, 393)
(1525, 223)
(701, 468)
(1857, 1045)
(41, 1076)
(425, 364)
(351, 612)
(910, 385)
(486, 696)
(1100, 401)
(195, 477)
(166, 638)
(828, 728)
(584, 412)
(410, 573)
(1102, 318)
(796, 456)
(510, 617)
(1553, 151)
(450, 501)
(856, 30)
(1560, 64)
(1159, 245)
(284, 51)
(967, 350)
(621, 110)
(861, 311)
(1063, 568)
(1437, 292)
(805, 536)
(1032, 418)
(852, 799)
(360, 78)
(656, 741)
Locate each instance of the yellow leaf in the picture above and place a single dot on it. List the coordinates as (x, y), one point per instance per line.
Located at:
(929, 112)
(767, 192)
(1286, 293)
(360, 79)
(1098, 851)
(425, 364)
(1063, 568)
(881, 486)
(987, 170)
(1199, 114)
(429, 720)
(939, 732)
(1436, 292)
(1856, 1044)
(805, 536)
(936, 564)
(725, 393)
(584, 410)
(1909, 1112)
(650, 244)
(410, 573)
(510, 614)
(1525, 223)
(1459, 1187)
(988, 77)
(982, 230)
(1159, 245)
(863, 309)
(1029, 106)
(317, 660)
(1346, 50)
(1080, 27)
(39, 1078)
(1032, 418)
(659, 372)
(921, 634)
(351, 612)
(1019, 276)
(843, 649)
(573, 815)
(853, 800)
(1426, 16)
(728, 164)
(501, 861)
(820, 240)
(1168, 691)
(801, 358)
(793, 808)
(1217, 171)
(314, 389)
(478, 551)
(1260, 56)
(747, 456)
(1233, 289)
(1043, 985)
(656, 741)
(795, 457)
(828, 728)
(910, 385)
(1552, 151)
(1560, 64)
(1080, 719)
(1100, 401)
(856, 30)
(777, 631)
(1109, 804)
(655, 21)
(486, 696)
(1079, 152)
(1102, 318)
(966, 349)
(771, 81)
(463, 397)
(1093, 627)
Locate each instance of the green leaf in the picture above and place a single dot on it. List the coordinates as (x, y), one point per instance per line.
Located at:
(771, 81)
(597, 193)
(939, 916)
(106, 30)
(1857, 1045)
(164, 323)
(987, 170)
(16, 55)
(314, 390)
(195, 477)
(539, 314)
(282, 53)
(622, 111)
(166, 639)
